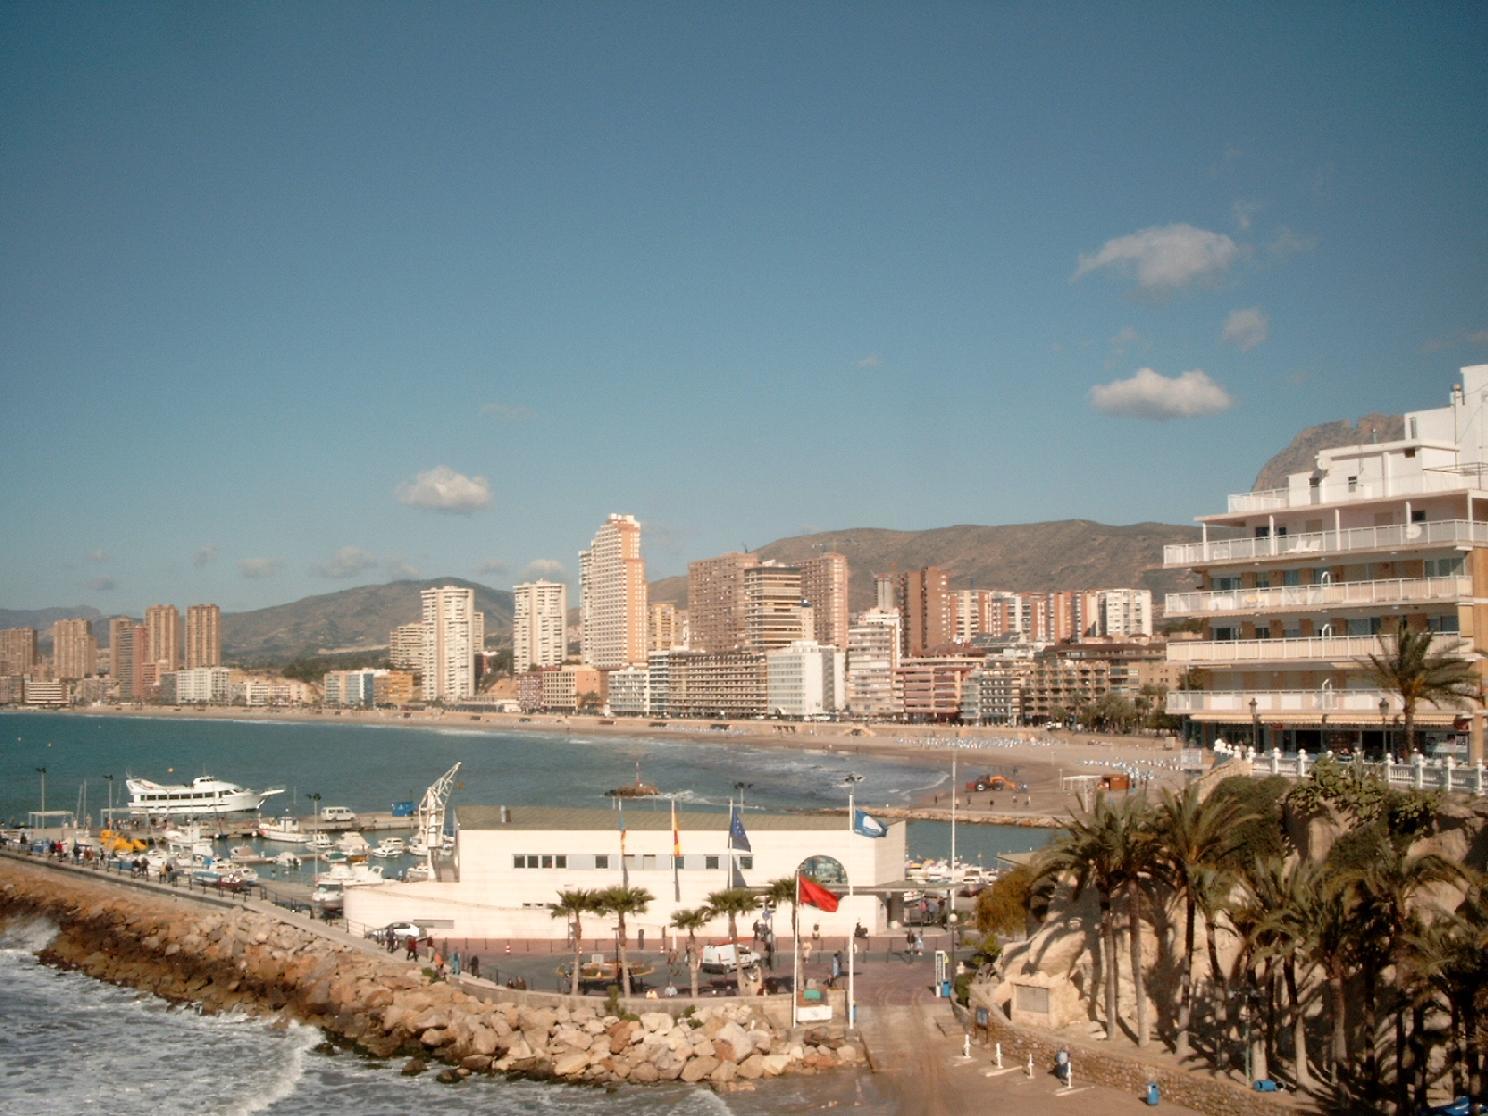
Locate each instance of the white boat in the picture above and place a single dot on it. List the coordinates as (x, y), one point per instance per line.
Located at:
(353, 844)
(247, 854)
(390, 847)
(284, 831)
(203, 796)
(348, 874)
(418, 872)
(321, 841)
(287, 860)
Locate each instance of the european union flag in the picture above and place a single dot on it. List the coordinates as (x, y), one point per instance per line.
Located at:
(738, 839)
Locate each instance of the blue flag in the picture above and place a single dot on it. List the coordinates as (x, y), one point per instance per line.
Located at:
(866, 825)
(738, 839)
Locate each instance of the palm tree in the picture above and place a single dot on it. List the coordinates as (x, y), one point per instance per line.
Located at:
(692, 920)
(1090, 852)
(782, 892)
(733, 902)
(622, 901)
(1407, 667)
(1291, 930)
(1193, 835)
(1136, 858)
(573, 905)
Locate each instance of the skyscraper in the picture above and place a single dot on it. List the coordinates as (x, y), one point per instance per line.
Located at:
(164, 624)
(925, 610)
(664, 629)
(539, 625)
(17, 650)
(774, 616)
(824, 586)
(203, 635)
(612, 596)
(74, 650)
(121, 655)
(453, 632)
(715, 601)
(406, 647)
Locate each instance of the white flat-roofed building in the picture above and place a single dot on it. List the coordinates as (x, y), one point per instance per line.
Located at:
(511, 862)
(630, 691)
(806, 679)
(539, 624)
(204, 686)
(872, 664)
(1299, 584)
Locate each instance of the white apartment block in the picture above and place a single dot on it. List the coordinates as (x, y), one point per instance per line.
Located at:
(630, 692)
(1125, 612)
(806, 679)
(1298, 584)
(539, 624)
(454, 631)
(204, 686)
(873, 664)
(612, 596)
(775, 615)
(993, 693)
(406, 647)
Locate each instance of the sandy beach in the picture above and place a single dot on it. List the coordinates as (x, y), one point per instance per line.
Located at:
(1037, 759)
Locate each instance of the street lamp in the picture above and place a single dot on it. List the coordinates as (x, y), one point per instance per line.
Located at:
(1255, 727)
(42, 772)
(109, 779)
(315, 841)
(851, 781)
(741, 788)
(1384, 708)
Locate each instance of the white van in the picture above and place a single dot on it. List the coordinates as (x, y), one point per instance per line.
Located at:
(720, 958)
(337, 814)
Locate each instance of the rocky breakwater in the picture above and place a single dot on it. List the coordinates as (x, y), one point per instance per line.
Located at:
(246, 960)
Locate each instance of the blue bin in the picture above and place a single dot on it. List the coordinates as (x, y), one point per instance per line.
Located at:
(1154, 1094)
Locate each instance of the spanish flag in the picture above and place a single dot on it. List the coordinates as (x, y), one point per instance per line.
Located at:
(676, 855)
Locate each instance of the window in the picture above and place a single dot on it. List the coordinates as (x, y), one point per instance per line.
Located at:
(746, 862)
(1450, 566)
(678, 862)
(1442, 623)
(1418, 515)
(602, 860)
(547, 860)
(1291, 577)
(710, 863)
(560, 862)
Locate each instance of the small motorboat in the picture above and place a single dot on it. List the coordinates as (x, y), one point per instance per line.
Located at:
(390, 847)
(247, 854)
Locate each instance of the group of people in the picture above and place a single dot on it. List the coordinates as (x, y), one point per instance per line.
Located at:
(454, 965)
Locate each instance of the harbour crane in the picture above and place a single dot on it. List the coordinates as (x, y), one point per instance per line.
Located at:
(429, 837)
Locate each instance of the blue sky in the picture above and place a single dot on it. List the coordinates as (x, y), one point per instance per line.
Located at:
(296, 297)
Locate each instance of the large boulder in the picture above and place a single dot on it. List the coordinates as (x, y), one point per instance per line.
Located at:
(698, 1068)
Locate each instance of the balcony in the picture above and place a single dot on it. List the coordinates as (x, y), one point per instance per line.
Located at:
(1320, 544)
(1342, 490)
(1308, 598)
(1316, 649)
(1356, 705)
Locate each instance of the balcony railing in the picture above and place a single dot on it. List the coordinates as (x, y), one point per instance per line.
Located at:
(1342, 490)
(1270, 703)
(1312, 648)
(1443, 774)
(1414, 536)
(1300, 598)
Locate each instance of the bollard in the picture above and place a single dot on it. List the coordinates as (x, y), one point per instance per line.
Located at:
(998, 1056)
(1030, 1066)
(966, 1045)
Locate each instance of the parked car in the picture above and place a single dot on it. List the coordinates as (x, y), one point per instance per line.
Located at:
(398, 931)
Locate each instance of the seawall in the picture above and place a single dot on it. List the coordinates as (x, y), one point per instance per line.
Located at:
(230, 956)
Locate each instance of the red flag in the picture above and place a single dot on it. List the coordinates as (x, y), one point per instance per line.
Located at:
(815, 895)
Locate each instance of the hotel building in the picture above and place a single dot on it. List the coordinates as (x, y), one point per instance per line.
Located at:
(164, 626)
(872, 664)
(203, 635)
(17, 651)
(665, 628)
(715, 602)
(454, 632)
(806, 679)
(539, 624)
(774, 615)
(406, 647)
(1299, 584)
(74, 650)
(925, 611)
(612, 596)
(824, 583)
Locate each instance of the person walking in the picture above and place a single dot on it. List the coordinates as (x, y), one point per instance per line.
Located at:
(475, 965)
(455, 963)
(836, 966)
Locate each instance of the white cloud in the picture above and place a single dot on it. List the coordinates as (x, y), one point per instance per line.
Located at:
(259, 567)
(492, 566)
(102, 585)
(98, 555)
(346, 562)
(1245, 329)
(872, 360)
(1166, 258)
(1151, 395)
(550, 568)
(204, 556)
(443, 489)
(512, 412)
(397, 568)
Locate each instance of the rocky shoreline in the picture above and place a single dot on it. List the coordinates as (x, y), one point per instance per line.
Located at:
(230, 957)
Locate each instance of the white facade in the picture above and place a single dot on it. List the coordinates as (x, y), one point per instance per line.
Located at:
(539, 625)
(204, 686)
(630, 691)
(806, 679)
(510, 863)
(612, 596)
(453, 633)
(873, 664)
(1125, 612)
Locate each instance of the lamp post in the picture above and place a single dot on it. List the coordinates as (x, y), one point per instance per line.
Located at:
(851, 780)
(42, 772)
(315, 841)
(109, 779)
(1384, 708)
(1255, 727)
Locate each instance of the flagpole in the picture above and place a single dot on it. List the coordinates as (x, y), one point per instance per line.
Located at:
(728, 842)
(796, 951)
(676, 854)
(624, 868)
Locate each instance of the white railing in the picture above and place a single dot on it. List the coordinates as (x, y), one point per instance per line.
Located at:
(1420, 773)
(1291, 598)
(1340, 490)
(1326, 648)
(1365, 703)
(1441, 532)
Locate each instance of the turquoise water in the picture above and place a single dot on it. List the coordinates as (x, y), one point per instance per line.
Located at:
(368, 767)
